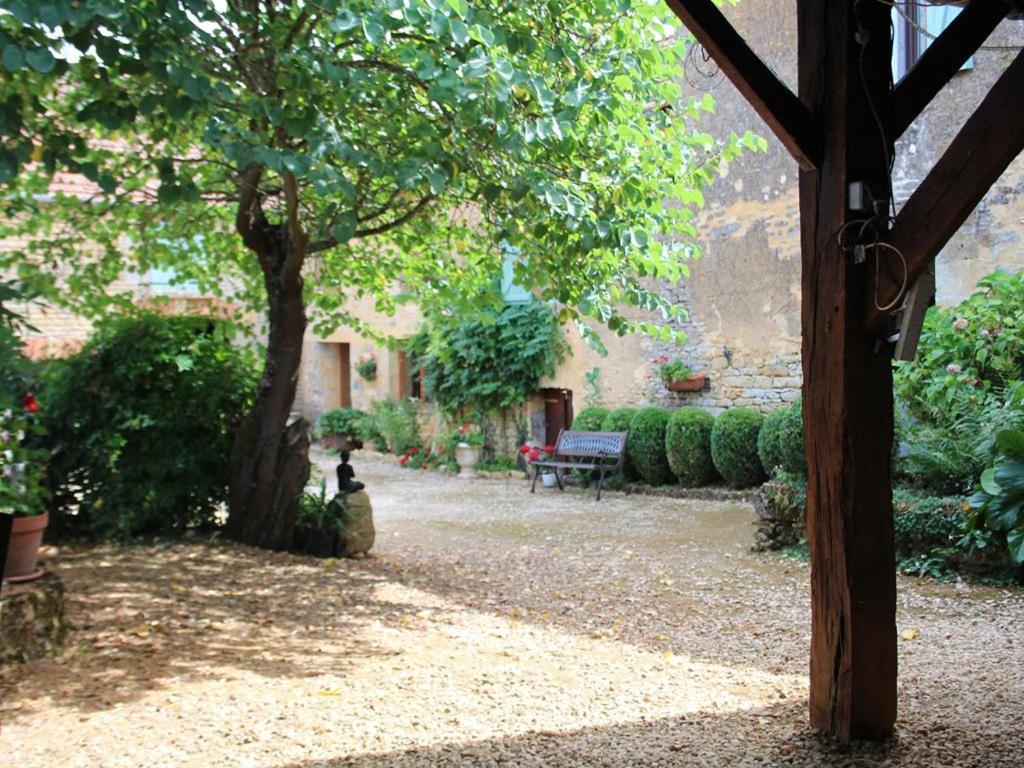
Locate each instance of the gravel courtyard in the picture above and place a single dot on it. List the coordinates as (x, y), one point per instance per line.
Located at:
(492, 627)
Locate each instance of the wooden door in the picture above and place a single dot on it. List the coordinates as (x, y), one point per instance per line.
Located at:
(557, 412)
(344, 376)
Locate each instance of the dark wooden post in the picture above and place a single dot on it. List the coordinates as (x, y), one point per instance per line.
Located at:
(847, 404)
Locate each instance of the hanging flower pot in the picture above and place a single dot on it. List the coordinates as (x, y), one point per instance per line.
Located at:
(693, 383)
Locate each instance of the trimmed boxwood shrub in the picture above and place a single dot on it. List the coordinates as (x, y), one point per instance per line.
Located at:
(646, 445)
(619, 421)
(769, 441)
(688, 446)
(734, 447)
(339, 422)
(780, 444)
(590, 419)
(141, 422)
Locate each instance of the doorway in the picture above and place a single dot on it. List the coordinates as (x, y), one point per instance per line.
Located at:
(557, 412)
(344, 376)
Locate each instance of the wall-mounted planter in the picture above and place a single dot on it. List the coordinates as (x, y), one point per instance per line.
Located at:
(694, 383)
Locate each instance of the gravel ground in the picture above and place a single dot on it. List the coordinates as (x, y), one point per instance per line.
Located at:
(492, 627)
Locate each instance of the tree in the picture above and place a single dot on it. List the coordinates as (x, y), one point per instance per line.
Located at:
(296, 155)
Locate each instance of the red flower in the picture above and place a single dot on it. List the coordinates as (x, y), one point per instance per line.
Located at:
(524, 449)
(413, 451)
(404, 460)
(534, 454)
(440, 447)
(549, 449)
(30, 403)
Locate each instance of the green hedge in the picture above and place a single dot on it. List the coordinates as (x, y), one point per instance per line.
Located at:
(734, 447)
(619, 421)
(688, 446)
(590, 419)
(780, 444)
(340, 422)
(923, 523)
(141, 422)
(646, 445)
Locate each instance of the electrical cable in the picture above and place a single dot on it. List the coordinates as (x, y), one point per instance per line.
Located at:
(906, 276)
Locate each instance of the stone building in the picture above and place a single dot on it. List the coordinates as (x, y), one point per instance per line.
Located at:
(743, 295)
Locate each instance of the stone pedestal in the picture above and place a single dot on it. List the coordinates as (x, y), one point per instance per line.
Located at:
(31, 619)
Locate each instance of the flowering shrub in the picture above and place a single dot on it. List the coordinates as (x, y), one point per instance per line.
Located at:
(469, 434)
(22, 462)
(532, 453)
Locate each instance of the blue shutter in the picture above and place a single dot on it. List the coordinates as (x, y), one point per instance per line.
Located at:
(510, 292)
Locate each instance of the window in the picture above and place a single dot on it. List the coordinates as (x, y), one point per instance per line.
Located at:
(165, 281)
(915, 26)
(410, 378)
(510, 292)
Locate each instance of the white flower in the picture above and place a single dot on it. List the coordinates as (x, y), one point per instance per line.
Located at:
(9, 455)
(8, 413)
(4, 437)
(984, 333)
(21, 435)
(960, 324)
(953, 368)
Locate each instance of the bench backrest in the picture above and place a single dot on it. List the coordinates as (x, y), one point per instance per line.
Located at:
(596, 444)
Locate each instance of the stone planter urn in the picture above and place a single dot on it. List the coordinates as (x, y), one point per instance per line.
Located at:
(23, 548)
(467, 456)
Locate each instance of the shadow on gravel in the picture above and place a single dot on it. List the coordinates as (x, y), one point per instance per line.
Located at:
(143, 618)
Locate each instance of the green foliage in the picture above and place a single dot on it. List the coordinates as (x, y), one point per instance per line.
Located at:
(341, 422)
(688, 446)
(786, 496)
(924, 524)
(676, 370)
(371, 123)
(734, 447)
(971, 356)
(366, 367)
(619, 420)
(592, 380)
(646, 445)
(396, 424)
(468, 434)
(497, 464)
(780, 443)
(493, 362)
(996, 518)
(318, 511)
(22, 461)
(141, 422)
(590, 419)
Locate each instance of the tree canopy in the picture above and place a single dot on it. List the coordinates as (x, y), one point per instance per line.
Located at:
(400, 141)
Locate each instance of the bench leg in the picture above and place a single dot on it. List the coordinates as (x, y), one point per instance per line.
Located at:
(600, 482)
(558, 479)
(536, 474)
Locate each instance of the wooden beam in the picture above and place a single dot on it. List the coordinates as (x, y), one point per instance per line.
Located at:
(847, 393)
(786, 115)
(983, 149)
(943, 59)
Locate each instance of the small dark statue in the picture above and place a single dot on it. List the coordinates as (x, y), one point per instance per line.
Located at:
(346, 475)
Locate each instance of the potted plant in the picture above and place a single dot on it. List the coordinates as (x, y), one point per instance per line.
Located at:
(470, 442)
(321, 518)
(532, 454)
(339, 428)
(22, 493)
(679, 377)
(366, 367)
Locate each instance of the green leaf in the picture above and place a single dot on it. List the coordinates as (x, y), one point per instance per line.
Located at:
(460, 32)
(1011, 442)
(13, 58)
(988, 482)
(438, 179)
(373, 31)
(41, 60)
(461, 7)
(344, 21)
(1015, 540)
(344, 228)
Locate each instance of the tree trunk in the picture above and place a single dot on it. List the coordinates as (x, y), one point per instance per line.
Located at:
(270, 457)
(847, 406)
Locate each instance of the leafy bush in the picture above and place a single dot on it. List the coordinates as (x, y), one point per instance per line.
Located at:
(924, 523)
(619, 420)
(997, 505)
(734, 447)
(317, 510)
(493, 363)
(646, 445)
(791, 440)
(769, 441)
(396, 424)
(22, 461)
(141, 422)
(688, 446)
(590, 419)
(971, 355)
(341, 422)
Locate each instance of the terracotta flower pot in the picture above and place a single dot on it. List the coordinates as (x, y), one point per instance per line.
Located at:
(693, 383)
(23, 549)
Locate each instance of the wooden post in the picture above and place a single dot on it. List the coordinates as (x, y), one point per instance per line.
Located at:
(847, 404)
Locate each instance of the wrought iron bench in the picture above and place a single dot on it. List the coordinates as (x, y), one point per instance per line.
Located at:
(601, 452)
